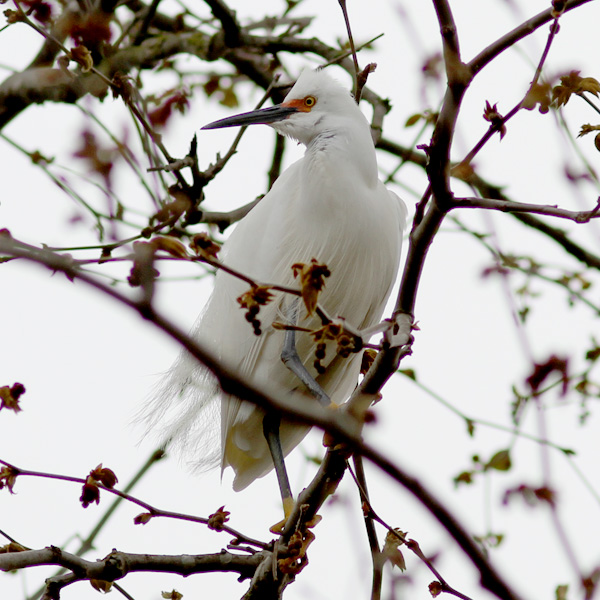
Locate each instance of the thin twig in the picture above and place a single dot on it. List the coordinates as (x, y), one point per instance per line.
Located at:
(499, 123)
(410, 544)
(344, 8)
(361, 483)
(518, 33)
(539, 209)
(152, 510)
(88, 543)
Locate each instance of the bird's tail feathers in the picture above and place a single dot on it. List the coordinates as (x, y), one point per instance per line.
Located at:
(182, 414)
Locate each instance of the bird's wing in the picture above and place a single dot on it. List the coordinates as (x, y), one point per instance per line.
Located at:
(183, 410)
(364, 259)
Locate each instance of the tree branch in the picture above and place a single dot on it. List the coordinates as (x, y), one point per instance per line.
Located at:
(231, 28)
(340, 424)
(118, 564)
(518, 33)
(491, 191)
(540, 209)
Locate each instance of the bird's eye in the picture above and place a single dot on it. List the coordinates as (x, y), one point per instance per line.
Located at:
(310, 101)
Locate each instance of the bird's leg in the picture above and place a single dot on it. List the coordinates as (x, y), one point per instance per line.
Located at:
(292, 361)
(271, 424)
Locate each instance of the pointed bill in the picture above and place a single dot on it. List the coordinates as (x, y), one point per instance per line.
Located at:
(263, 116)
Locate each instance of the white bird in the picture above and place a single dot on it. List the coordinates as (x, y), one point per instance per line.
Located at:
(330, 205)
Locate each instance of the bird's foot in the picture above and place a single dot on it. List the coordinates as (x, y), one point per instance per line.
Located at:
(288, 507)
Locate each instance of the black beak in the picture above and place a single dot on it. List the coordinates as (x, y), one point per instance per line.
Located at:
(263, 116)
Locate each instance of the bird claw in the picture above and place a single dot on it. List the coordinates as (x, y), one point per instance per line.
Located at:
(277, 528)
(288, 507)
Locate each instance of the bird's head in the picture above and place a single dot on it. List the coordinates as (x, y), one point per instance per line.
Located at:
(315, 105)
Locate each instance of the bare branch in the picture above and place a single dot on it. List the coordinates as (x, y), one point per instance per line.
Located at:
(152, 510)
(117, 564)
(341, 425)
(231, 27)
(523, 30)
(550, 211)
(494, 192)
(500, 123)
(376, 557)
(344, 8)
(411, 544)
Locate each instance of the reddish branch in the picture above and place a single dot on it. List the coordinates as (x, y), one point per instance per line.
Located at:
(152, 511)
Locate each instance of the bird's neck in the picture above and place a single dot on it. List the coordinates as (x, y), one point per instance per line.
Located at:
(343, 152)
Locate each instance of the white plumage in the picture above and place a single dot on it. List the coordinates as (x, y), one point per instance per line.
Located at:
(330, 205)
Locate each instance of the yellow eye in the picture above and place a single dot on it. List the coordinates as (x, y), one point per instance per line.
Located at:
(310, 101)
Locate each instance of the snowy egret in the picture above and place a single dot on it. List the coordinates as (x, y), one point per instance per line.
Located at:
(331, 206)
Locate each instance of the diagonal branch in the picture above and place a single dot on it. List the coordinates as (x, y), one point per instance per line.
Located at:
(518, 33)
(499, 123)
(341, 425)
(231, 28)
(521, 207)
